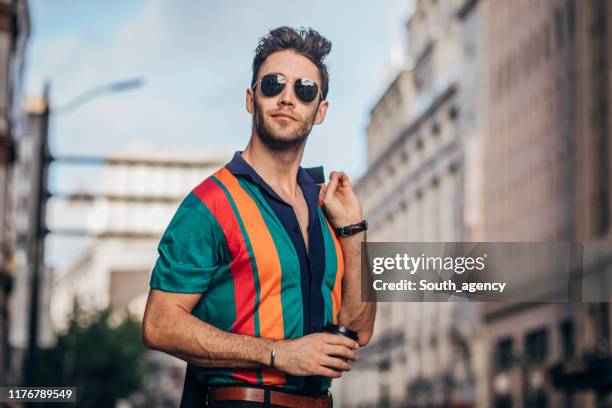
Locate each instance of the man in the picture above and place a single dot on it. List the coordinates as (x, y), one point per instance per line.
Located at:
(251, 269)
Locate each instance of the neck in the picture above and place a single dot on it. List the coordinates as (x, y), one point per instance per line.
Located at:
(278, 168)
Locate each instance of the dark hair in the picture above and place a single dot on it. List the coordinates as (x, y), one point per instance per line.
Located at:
(304, 41)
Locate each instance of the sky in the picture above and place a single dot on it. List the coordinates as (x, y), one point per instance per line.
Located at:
(195, 60)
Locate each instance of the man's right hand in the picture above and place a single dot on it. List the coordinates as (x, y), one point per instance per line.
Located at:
(322, 354)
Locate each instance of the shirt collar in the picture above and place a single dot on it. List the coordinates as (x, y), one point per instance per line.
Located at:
(239, 167)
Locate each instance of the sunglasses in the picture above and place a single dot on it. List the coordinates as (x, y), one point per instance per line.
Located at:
(305, 89)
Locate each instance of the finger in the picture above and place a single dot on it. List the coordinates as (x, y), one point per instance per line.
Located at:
(327, 372)
(341, 351)
(322, 193)
(340, 340)
(335, 363)
(344, 179)
(331, 186)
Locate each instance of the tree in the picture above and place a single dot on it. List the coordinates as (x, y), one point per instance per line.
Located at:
(101, 353)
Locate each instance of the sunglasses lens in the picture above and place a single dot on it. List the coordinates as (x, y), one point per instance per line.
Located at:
(306, 89)
(272, 84)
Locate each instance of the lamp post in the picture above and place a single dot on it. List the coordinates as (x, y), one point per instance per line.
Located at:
(41, 196)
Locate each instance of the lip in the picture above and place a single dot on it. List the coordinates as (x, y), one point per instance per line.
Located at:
(283, 115)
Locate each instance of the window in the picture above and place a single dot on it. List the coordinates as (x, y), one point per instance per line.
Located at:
(559, 29)
(601, 319)
(547, 40)
(536, 346)
(435, 129)
(419, 143)
(503, 402)
(504, 356)
(567, 338)
(535, 399)
(571, 19)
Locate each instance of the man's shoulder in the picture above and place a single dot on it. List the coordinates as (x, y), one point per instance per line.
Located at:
(211, 189)
(210, 194)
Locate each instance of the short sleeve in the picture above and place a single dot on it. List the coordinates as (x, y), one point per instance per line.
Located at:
(189, 253)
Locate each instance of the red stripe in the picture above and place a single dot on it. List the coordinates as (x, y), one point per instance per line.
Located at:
(213, 196)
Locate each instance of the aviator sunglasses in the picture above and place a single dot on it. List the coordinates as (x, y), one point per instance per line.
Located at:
(305, 89)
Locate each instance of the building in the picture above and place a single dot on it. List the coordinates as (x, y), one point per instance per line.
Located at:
(30, 183)
(547, 177)
(14, 34)
(140, 191)
(414, 190)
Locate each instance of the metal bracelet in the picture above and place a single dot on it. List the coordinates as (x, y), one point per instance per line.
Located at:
(272, 357)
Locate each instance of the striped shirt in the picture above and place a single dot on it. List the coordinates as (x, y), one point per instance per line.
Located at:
(234, 240)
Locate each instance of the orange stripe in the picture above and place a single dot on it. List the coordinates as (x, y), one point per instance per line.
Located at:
(268, 267)
(337, 291)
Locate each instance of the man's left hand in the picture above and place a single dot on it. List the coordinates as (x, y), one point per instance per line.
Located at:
(339, 200)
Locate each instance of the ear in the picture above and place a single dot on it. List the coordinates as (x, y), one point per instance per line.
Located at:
(249, 100)
(321, 111)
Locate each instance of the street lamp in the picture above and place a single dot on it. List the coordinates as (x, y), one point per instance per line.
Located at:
(40, 227)
(96, 92)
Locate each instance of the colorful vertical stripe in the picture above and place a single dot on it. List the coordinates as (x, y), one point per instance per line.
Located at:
(258, 289)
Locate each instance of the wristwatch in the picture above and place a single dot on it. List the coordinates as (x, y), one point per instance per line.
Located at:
(353, 229)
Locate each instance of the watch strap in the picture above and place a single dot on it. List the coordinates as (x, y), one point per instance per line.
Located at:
(353, 229)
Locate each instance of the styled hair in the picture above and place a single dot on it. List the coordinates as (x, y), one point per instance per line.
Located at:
(304, 41)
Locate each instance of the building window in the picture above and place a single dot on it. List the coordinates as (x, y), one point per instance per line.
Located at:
(435, 129)
(535, 399)
(571, 19)
(504, 356)
(559, 29)
(419, 143)
(567, 338)
(503, 402)
(547, 40)
(601, 323)
(536, 346)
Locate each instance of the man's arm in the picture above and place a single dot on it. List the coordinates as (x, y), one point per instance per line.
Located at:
(355, 314)
(343, 208)
(169, 326)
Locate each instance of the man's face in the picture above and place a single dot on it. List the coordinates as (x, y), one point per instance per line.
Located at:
(283, 122)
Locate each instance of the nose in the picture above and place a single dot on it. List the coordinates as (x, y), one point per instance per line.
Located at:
(287, 96)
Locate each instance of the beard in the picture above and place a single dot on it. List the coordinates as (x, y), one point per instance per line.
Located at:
(285, 137)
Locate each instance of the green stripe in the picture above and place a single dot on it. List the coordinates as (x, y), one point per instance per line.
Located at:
(218, 306)
(329, 279)
(331, 266)
(252, 260)
(291, 289)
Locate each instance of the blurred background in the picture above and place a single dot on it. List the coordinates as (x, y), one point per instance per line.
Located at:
(457, 120)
